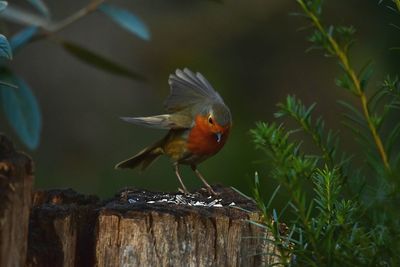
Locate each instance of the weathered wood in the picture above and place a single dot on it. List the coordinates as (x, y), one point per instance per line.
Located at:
(141, 228)
(61, 229)
(16, 182)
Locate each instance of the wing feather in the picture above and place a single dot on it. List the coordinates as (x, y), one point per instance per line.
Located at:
(165, 121)
(188, 89)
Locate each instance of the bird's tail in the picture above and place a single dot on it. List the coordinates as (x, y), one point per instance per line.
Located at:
(143, 159)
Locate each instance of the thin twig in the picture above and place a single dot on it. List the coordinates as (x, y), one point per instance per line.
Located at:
(76, 16)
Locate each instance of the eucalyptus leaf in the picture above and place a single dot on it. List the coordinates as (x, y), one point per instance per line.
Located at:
(41, 7)
(23, 17)
(99, 61)
(3, 5)
(5, 49)
(22, 110)
(9, 85)
(22, 38)
(126, 20)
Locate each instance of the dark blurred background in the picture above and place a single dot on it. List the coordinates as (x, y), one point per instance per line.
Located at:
(251, 51)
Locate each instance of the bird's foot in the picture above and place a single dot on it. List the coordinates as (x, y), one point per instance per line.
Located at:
(210, 191)
(183, 191)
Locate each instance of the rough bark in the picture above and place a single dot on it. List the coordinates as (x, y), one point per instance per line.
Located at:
(141, 228)
(16, 182)
(61, 229)
(156, 229)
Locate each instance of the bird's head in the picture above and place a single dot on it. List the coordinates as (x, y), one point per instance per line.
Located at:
(217, 120)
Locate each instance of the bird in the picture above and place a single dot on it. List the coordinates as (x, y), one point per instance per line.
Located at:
(198, 123)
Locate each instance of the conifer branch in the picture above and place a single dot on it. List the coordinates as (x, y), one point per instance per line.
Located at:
(336, 50)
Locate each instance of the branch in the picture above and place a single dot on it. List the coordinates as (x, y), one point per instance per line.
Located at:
(397, 3)
(344, 60)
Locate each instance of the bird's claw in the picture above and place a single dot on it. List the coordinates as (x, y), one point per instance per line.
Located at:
(210, 191)
(183, 191)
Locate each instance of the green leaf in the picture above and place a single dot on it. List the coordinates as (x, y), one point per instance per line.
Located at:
(3, 5)
(365, 74)
(394, 136)
(22, 38)
(275, 215)
(5, 49)
(376, 98)
(23, 17)
(241, 193)
(354, 114)
(22, 110)
(273, 196)
(345, 81)
(257, 224)
(9, 85)
(126, 20)
(40, 6)
(99, 62)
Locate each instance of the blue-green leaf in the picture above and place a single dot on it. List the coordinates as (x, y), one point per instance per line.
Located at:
(9, 85)
(22, 38)
(40, 6)
(3, 5)
(5, 49)
(23, 17)
(99, 61)
(22, 110)
(126, 20)
(275, 215)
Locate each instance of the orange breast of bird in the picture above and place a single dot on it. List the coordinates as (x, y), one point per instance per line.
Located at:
(201, 140)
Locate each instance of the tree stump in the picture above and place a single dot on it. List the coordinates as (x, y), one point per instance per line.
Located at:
(16, 182)
(61, 229)
(141, 228)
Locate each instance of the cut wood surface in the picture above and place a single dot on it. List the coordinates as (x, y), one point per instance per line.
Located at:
(16, 183)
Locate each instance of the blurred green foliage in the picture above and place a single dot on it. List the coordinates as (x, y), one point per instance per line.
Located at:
(344, 205)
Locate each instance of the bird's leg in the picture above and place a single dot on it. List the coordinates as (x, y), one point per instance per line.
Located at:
(176, 167)
(209, 188)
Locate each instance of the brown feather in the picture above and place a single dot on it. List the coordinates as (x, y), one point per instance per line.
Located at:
(143, 159)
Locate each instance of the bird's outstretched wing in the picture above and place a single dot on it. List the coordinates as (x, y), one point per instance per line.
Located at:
(166, 121)
(188, 89)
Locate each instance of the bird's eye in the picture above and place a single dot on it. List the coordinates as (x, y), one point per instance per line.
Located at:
(210, 120)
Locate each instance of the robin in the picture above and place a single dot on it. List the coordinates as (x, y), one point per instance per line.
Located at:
(198, 122)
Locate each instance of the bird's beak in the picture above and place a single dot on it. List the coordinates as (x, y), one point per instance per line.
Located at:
(218, 137)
